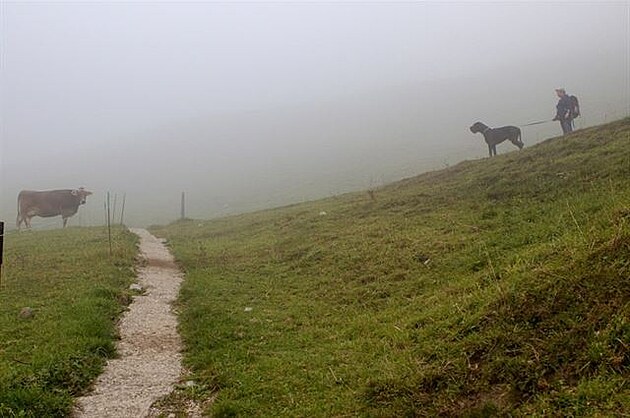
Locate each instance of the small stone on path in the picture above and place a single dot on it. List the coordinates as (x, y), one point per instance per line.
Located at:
(26, 313)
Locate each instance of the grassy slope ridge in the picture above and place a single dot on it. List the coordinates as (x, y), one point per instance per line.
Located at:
(76, 292)
(495, 286)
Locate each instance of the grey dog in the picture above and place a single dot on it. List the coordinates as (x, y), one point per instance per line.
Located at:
(495, 136)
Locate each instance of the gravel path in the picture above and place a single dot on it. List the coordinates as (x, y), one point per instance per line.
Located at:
(149, 362)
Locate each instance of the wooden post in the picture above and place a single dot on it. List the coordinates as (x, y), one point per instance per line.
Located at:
(183, 207)
(1, 247)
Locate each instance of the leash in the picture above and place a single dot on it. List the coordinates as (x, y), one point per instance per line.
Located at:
(537, 122)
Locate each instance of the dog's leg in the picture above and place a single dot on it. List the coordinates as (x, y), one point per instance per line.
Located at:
(490, 150)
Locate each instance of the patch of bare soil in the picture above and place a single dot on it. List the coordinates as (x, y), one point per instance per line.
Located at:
(149, 363)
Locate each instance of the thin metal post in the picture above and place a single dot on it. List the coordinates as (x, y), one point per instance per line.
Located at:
(109, 226)
(114, 208)
(1, 248)
(122, 210)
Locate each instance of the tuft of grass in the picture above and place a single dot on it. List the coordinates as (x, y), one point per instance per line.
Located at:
(493, 287)
(76, 292)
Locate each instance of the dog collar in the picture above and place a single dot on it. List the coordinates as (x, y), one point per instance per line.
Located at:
(486, 130)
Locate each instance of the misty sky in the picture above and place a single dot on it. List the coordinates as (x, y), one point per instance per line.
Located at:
(251, 105)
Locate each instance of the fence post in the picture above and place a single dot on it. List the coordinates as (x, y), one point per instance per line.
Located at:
(109, 227)
(114, 208)
(122, 210)
(1, 247)
(183, 207)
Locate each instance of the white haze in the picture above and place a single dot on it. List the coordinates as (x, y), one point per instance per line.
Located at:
(252, 105)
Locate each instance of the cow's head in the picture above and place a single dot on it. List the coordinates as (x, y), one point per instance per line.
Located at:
(81, 193)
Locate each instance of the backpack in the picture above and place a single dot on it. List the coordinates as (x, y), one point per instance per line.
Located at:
(574, 111)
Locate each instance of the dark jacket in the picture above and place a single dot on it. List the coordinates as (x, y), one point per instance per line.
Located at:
(563, 108)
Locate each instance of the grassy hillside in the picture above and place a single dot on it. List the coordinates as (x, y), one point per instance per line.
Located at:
(76, 291)
(495, 286)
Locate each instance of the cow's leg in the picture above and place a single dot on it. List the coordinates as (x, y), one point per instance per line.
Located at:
(18, 221)
(27, 221)
(65, 221)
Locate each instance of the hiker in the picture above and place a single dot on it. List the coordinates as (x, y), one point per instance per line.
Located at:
(567, 109)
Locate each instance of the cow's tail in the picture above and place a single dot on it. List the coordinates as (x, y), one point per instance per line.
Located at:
(18, 220)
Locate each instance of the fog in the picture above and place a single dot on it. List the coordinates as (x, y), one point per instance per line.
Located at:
(253, 105)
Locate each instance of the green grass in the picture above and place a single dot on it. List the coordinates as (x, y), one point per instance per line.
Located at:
(76, 292)
(497, 286)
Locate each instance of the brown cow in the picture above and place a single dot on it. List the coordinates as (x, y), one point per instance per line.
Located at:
(49, 203)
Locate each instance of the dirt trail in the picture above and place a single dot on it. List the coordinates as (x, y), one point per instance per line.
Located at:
(149, 362)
